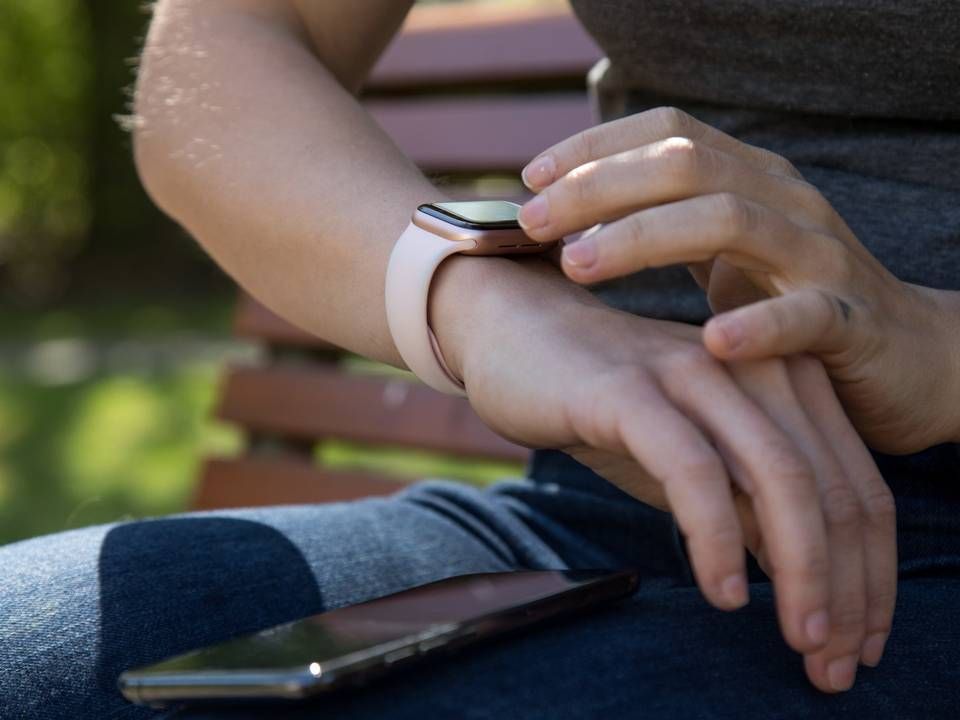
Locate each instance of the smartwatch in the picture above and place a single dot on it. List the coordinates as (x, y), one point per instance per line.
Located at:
(437, 231)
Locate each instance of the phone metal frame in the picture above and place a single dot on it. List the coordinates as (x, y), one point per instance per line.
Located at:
(299, 683)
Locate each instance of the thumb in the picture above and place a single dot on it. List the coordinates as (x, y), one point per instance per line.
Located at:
(803, 321)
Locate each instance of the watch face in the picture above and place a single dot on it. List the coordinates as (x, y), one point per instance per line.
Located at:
(476, 214)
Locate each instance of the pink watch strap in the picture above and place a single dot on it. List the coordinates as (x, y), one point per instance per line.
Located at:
(413, 262)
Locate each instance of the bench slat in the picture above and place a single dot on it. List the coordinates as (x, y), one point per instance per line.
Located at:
(464, 43)
(258, 481)
(326, 402)
(478, 134)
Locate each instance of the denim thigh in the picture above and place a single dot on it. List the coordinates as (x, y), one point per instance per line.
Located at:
(79, 607)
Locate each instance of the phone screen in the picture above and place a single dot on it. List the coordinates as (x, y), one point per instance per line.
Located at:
(331, 635)
(349, 646)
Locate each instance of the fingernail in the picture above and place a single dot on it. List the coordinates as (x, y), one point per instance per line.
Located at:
(842, 672)
(872, 649)
(534, 214)
(817, 627)
(582, 253)
(734, 590)
(539, 173)
(732, 331)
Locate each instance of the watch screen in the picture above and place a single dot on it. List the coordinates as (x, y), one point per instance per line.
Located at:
(479, 214)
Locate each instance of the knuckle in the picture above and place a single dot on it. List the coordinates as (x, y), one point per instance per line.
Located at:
(585, 145)
(808, 198)
(879, 505)
(718, 536)
(830, 252)
(778, 164)
(809, 564)
(809, 376)
(735, 215)
(683, 161)
(789, 469)
(788, 168)
(627, 376)
(598, 415)
(699, 466)
(672, 121)
(808, 367)
(693, 360)
(824, 304)
(583, 183)
(841, 507)
(849, 617)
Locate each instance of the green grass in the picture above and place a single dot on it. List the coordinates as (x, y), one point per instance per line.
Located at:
(108, 448)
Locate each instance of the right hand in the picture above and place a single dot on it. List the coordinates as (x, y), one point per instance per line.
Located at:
(756, 454)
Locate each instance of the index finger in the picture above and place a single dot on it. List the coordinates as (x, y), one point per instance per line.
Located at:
(643, 129)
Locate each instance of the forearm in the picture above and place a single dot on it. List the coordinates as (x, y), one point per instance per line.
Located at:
(247, 139)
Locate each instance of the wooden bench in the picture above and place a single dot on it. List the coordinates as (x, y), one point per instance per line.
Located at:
(471, 93)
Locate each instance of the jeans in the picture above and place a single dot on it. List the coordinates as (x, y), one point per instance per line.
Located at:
(79, 607)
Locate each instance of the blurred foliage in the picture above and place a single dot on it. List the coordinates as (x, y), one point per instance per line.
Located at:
(104, 319)
(107, 448)
(74, 219)
(44, 156)
(77, 233)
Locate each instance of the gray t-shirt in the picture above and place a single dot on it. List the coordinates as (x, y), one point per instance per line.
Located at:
(863, 96)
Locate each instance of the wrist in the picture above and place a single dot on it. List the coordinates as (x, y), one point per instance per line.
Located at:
(473, 300)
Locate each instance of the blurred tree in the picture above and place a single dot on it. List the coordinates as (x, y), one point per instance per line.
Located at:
(73, 216)
(44, 211)
(74, 219)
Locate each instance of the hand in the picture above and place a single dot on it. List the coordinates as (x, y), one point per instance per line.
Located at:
(756, 453)
(673, 190)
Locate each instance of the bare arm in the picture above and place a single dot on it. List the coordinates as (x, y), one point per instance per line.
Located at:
(249, 135)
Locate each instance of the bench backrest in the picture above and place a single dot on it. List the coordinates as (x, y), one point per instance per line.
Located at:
(471, 93)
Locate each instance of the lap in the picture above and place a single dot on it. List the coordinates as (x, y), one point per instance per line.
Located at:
(79, 607)
(664, 654)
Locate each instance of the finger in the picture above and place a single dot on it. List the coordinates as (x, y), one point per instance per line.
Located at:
(642, 129)
(833, 667)
(730, 287)
(611, 187)
(771, 470)
(724, 226)
(697, 488)
(701, 272)
(879, 509)
(808, 320)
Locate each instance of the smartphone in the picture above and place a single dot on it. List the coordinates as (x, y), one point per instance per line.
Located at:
(350, 646)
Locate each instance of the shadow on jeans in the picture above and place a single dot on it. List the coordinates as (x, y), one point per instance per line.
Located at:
(168, 586)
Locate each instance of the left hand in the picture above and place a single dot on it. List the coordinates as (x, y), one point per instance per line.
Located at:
(673, 190)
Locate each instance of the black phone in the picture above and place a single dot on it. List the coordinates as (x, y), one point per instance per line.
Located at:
(349, 646)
